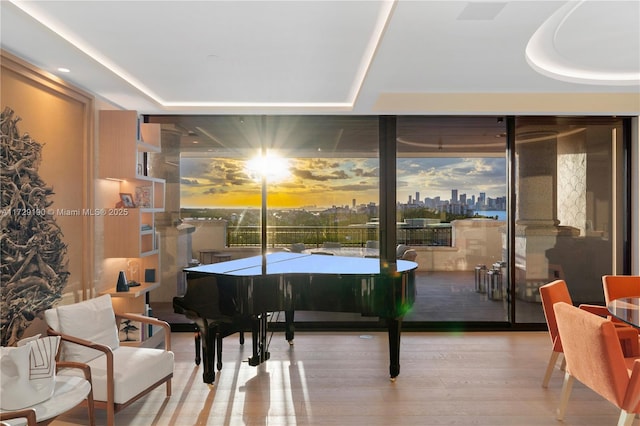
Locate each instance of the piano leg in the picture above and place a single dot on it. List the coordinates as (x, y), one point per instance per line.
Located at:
(255, 335)
(394, 326)
(219, 350)
(259, 339)
(197, 342)
(209, 352)
(289, 327)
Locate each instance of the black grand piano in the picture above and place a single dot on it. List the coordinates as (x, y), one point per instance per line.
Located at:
(237, 296)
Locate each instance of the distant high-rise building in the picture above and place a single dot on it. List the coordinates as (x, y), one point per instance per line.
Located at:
(410, 201)
(417, 197)
(353, 202)
(463, 199)
(429, 202)
(454, 195)
(482, 198)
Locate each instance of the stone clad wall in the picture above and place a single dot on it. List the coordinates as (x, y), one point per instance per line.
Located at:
(474, 241)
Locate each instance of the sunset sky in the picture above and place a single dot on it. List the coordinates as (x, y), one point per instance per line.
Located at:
(324, 182)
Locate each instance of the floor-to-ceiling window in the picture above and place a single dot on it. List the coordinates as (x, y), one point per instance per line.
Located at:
(492, 211)
(299, 183)
(451, 192)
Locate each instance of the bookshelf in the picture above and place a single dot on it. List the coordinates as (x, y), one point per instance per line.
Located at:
(125, 148)
(124, 154)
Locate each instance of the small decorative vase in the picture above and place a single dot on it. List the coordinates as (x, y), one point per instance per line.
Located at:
(122, 284)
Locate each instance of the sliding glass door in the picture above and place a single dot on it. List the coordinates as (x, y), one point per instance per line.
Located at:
(451, 191)
(569, 216)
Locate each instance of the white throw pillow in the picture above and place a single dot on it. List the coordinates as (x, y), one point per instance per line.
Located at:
(92, 320)
(28, 372)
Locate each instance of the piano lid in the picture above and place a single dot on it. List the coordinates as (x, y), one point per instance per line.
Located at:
(299, 263)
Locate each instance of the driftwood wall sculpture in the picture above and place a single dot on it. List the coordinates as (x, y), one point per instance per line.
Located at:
(34, 267)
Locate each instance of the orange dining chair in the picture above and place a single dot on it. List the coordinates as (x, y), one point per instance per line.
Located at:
(619, 286)
(557, 291)
(595, 359)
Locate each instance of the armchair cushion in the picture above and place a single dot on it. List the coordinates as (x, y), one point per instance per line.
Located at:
(146, 367)
(92, 320)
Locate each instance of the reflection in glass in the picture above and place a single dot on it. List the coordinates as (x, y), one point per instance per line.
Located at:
(566, 198)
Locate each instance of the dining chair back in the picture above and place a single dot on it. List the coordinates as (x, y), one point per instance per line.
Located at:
(552, 293)
(619, 286)
(558, 291)
(594, 357)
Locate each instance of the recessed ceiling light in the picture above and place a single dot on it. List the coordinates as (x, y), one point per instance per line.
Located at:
(195, 142)
(62, 69)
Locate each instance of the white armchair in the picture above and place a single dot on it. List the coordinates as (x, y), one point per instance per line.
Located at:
(26, 416)
(67, 392)
(120, 374)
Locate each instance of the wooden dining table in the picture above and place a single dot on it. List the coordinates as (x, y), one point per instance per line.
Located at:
(626, 309)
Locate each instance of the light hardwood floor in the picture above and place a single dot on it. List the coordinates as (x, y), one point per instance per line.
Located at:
(341, 378)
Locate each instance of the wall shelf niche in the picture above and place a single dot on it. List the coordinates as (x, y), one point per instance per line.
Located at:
(125, 146)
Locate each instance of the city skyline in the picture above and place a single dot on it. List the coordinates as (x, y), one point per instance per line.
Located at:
(325, 182)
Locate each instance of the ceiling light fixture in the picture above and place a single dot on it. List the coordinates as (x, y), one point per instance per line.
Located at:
(545, 49)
